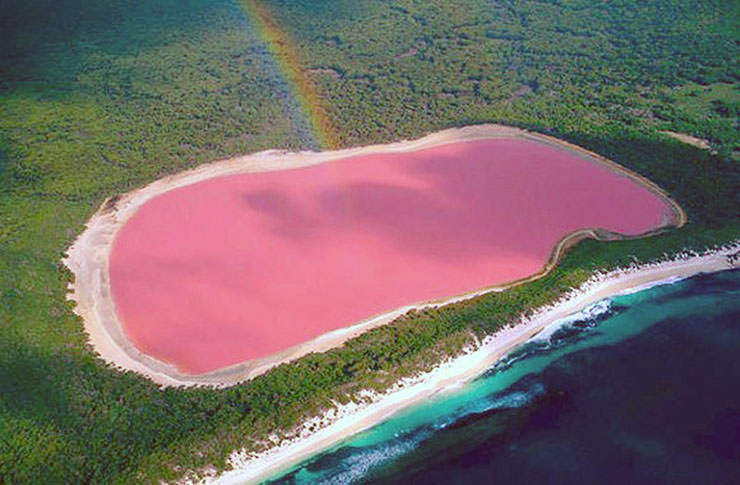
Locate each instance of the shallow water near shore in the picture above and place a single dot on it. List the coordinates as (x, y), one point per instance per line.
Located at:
(640, 388)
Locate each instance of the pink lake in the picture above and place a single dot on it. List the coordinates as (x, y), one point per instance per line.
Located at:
(240, 267)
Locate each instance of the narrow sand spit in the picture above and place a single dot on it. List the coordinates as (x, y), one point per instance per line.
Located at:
(691, 140)
(344, 421)
(89, 256)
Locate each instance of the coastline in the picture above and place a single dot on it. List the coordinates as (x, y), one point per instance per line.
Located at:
(337, 424)
(88, 257)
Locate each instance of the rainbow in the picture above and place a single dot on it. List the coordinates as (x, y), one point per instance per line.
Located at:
(283, 49)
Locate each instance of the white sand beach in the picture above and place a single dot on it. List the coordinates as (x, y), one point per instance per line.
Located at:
(338, 424)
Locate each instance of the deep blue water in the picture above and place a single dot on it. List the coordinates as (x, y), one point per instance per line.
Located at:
(643, 388)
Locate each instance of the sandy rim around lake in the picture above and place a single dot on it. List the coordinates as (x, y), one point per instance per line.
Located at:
(323, 432)
(88, 258)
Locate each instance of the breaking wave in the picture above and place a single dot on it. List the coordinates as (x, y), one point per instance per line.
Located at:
(560, 333)
(351, 464)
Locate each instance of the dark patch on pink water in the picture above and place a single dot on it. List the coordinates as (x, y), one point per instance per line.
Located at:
(239, 267)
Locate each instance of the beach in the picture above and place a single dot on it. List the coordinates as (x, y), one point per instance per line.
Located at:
(89, 257)
(347, 420)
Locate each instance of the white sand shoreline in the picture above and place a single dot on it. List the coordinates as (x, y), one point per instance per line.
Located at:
(339, 424)
(88, 257)
(688, 139)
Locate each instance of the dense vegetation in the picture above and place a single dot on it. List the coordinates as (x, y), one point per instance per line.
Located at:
(100, 97)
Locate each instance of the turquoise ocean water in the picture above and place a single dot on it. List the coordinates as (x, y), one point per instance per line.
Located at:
(640, 388)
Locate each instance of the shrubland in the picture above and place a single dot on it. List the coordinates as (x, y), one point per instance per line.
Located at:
(98, 98)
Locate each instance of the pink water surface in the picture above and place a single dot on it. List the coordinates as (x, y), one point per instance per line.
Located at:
(239, 267)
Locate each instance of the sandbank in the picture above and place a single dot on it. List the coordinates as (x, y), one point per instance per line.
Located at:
(688, 139)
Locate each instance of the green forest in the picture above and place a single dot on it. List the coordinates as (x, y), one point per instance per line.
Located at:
(98, 98)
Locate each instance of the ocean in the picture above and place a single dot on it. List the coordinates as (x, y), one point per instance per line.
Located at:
(639, 388)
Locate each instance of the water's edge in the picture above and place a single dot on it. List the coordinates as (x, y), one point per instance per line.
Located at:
(512, 386)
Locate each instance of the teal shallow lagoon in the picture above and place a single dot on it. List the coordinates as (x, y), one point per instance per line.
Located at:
(637, 388)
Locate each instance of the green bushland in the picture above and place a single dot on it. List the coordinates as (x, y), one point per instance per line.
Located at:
(97, 98)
